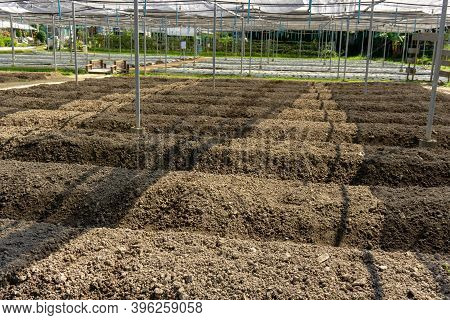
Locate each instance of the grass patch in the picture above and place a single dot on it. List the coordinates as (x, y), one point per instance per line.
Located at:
(206, 76)
(17, 50)
(63, 71)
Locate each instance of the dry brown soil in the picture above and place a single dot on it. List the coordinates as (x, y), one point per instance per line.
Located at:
(259, 189)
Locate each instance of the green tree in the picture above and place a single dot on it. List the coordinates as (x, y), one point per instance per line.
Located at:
(396, 40)
(41, 36)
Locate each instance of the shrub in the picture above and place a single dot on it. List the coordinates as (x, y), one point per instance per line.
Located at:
(41, 36)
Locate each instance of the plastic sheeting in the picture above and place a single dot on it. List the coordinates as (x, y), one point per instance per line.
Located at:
(5, 24)
(390, 15)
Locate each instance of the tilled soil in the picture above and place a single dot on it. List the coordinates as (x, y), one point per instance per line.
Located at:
(274, 127)
(258, 189)
(228, 205)
(22, 76)
(120, 264)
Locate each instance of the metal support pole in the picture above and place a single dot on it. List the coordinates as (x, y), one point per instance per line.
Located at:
(369, 52)
(166, 45)
(54, 42)
(13, 38)
(300, 44)
(331, 47)
(404, 48)
(120, 40)
(434, 54)
(131, 40)
(46, 37)
(70, 41)
(234, 36)
(275, 35)
(340, 48)
(60, 40)
(108, 34)
(415, 56)
(74, 38)
(145, 46)
(86, 39)
(137, 99)
(262, 44)
(195, 41)
(250, 47)
(242, 39)
(320, 44)
(371, 45)
(346, 47)
(438, 61)
(423, 52)
(276, 50)
(384, 50)
(362, 44)
(214, 45)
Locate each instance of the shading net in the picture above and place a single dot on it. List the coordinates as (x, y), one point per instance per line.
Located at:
(392, 15)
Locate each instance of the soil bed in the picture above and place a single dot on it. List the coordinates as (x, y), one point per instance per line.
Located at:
(243, 207)
(258, 189)
(22, 76)
(308, 161)
(119, 264)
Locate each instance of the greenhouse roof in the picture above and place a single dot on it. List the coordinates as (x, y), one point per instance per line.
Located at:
(389, 15)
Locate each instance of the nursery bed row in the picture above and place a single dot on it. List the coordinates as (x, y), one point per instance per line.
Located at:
(276, 127)
(57, 262)
(307, 161)
(228, 205)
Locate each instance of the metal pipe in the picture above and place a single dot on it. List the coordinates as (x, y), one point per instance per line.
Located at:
(434, 54)
(346, 47)
(326, 44)
(300, 44)
(131, 40)
(262, 43)
(120, 39)
(372, 35)
(404, 48)
(384, 50)
(362, 44)
(274, 44)
(70, 42)
(369, 52)
(145, 46)
(137, 99)
(242, 41)
(86, 39)
(195, 41)
(108, 35)
(276, 50)
(319, 44)
(438, 61)
(46, 37)
(60, 41)
(54, 42)
(250, 46)
(166, 45)
(13, 38)
(339, 53)
(331, 47)
(74, 38)
(214, 45)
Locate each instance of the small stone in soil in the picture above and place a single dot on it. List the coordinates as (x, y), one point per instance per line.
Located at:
(322, 258)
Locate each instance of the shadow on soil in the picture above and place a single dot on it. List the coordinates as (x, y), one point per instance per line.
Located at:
(108, 194)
